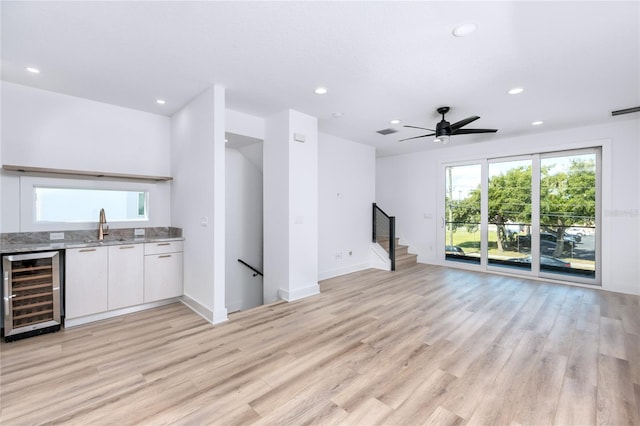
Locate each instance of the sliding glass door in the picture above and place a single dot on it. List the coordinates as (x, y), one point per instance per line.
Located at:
(568, 211)
(462, 213)
(534, 215)
(509, 213)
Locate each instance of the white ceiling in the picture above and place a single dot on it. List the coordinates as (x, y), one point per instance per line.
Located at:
(380, 60)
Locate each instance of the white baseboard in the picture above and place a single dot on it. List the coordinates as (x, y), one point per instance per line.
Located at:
(220, 315)
(214, 317)
(197, 307)
(73, 322)
(299, 293)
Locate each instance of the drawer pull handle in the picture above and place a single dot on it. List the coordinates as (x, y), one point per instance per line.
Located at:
(85, 250)
(126, 247)
(164, 255)
(164, 244)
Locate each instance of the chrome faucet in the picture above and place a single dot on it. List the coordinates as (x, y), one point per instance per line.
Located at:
(101, 231)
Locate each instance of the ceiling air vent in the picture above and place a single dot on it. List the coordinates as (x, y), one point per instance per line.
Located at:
(387, 131)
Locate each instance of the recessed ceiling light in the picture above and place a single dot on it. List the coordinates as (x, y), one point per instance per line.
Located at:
(161, 101)
(537, 123)
(516, 91)
(33, 70)
(395, 121)
(338, 114)
(320, 90)
(464, 30)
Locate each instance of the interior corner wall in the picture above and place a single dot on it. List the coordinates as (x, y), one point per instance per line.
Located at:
(407, 187)
(197, 138)
(51, 130)
(346, 191)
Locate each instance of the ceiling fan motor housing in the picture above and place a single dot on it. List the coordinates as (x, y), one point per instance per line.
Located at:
(443, 128)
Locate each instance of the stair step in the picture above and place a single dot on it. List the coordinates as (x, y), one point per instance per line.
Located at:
(385, 243)
(403, 257)
(406, 260)
(401, 250)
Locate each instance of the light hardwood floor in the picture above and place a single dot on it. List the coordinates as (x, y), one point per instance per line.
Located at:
(425, 345)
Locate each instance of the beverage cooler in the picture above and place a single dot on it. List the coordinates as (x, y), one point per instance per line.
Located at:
(31, 294)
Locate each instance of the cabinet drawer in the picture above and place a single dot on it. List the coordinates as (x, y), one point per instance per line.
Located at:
(163, 247)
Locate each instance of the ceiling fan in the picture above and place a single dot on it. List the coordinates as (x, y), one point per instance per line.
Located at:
(444, 129)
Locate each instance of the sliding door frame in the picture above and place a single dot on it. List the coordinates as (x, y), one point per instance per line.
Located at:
(535, 271)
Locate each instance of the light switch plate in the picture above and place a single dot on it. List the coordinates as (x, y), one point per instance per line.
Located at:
(138, 232)
(56, 236)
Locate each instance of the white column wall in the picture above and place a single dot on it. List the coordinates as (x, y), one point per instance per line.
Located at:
(290, 207)
(303, 205)
(276, 204)
(197, 165)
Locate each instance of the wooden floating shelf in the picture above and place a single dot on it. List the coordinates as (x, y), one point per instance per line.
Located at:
(27, 169)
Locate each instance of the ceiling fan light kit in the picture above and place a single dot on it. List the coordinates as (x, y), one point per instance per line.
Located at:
(444, 130)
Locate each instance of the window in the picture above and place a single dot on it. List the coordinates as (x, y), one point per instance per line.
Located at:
(56, 204)
(534, 215)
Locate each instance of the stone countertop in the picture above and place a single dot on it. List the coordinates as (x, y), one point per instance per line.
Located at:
(45, 246)
(41, 241)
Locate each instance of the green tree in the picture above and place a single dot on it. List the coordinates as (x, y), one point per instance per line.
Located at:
(509, 200)
(567, 198)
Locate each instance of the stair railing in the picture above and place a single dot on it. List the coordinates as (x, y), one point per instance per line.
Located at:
(255, 271)
(384, 226)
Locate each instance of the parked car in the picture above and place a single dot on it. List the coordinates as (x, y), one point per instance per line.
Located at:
(454, 250)
(549, 236)
(575, 235)
(576, 231)
(546, 240)
(544, 261)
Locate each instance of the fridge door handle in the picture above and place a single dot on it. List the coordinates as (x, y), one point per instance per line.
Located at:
(7, 306)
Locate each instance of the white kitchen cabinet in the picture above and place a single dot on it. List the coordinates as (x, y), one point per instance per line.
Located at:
(86, 281)
(162, 270)
(126, 275)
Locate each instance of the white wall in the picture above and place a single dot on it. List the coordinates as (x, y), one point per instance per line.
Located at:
(197, 160)
(409, 187)
(346, 190)
(47, 129)
(290, 207)
(244, 124)
(244, 232)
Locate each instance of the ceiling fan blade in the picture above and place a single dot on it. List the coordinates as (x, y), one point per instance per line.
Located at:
(416, 137)
(421, 128)
(464, 122)
(625, 111)
(470, 131)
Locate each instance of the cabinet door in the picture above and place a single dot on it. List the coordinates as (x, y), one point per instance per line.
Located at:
(162, 276)
(126, 270)
(85, 281)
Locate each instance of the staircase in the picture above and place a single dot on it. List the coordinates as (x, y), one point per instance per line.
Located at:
(404, 259)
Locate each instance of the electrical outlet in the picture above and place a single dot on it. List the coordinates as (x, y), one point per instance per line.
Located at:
(138, 232)
(338, 256)
(56, 236)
